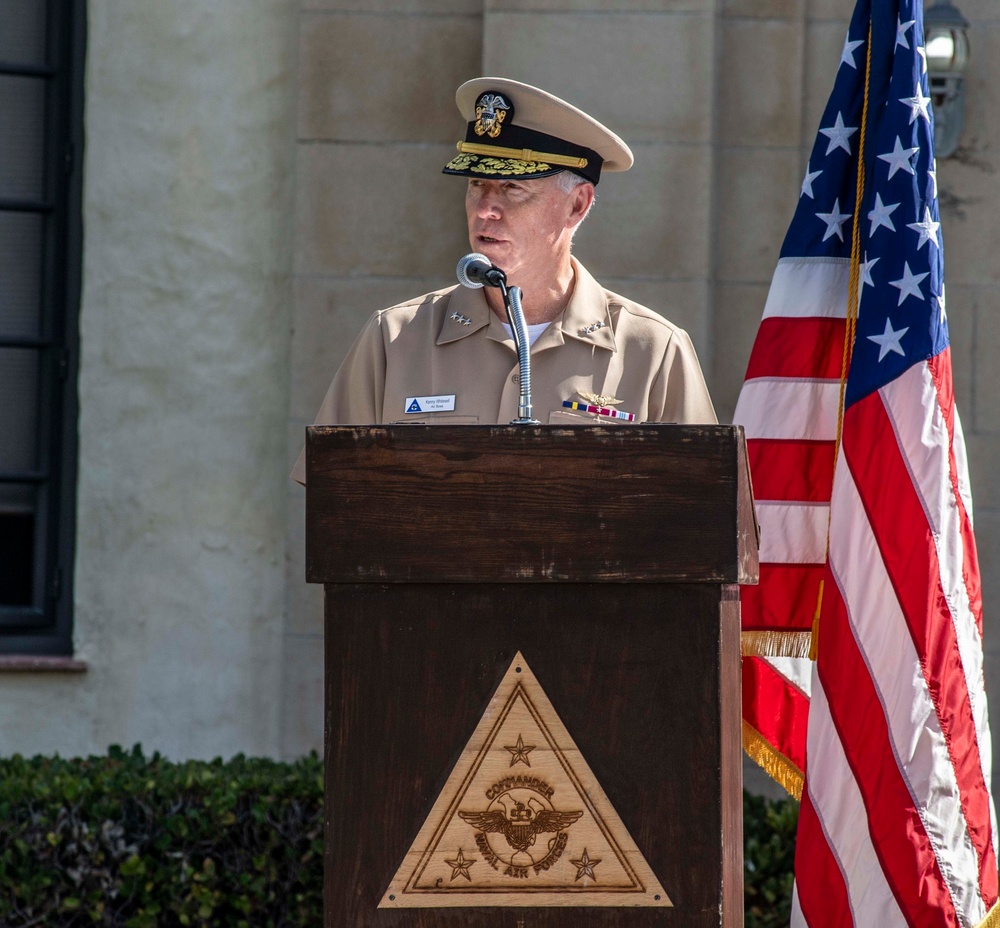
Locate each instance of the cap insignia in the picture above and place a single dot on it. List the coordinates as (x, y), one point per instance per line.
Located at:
(491, 111)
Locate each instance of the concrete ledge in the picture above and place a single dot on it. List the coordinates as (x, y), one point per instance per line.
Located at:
(23, 663)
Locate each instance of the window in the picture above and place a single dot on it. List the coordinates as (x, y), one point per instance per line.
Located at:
(41, 135)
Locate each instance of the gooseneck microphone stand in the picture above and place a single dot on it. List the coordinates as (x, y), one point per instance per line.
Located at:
(515, 316)
(475, 271)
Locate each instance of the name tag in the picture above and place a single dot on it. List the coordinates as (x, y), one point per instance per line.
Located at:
(442, 403)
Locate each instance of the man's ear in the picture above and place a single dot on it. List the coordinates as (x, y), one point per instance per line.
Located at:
(582, 199)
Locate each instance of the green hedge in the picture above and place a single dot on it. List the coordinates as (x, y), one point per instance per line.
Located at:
(138, 842)
(768, 855)
(125, 840)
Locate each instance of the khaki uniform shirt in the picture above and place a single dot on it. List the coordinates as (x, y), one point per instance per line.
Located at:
(450, 344)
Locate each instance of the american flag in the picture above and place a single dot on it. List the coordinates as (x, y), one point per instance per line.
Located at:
(897, 826)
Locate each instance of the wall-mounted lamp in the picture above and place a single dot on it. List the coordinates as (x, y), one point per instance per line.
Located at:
(946, 43)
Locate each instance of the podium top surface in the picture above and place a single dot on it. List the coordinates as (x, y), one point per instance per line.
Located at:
(515, 504)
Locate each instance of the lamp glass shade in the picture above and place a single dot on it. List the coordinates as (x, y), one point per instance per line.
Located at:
(940, 49)
(946, 40)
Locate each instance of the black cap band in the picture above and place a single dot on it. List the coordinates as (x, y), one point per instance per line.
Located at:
(541, 144)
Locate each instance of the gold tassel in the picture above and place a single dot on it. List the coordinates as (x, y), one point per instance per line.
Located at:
(775, 644)
(992, 919)
(778, 767)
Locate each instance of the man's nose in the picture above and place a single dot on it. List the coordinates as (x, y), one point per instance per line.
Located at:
(488, 206)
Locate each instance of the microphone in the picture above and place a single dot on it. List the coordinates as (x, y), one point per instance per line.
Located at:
(475, 271)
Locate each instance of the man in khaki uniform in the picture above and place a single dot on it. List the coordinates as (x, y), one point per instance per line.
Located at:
(448, 357)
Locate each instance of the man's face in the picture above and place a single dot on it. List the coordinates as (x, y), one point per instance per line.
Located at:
(520, 225)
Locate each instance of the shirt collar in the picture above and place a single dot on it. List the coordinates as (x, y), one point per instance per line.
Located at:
(467, 312)
(586, 318)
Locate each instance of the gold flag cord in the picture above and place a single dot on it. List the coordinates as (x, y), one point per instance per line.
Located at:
(775, 764)
(853, 300)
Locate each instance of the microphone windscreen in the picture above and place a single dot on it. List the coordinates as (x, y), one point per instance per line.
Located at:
(467, 264)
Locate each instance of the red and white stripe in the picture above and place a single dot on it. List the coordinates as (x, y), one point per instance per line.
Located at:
(788, 408)
(776, 704)
(897, 812)
(897, 826)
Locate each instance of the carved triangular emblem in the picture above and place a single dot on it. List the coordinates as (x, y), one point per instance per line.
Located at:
(522, 821)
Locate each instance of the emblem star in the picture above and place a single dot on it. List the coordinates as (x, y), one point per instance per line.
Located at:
(866, 270)
(901, 30)
(932, 184)
(880, 215)
(918, 105)
(520, 752)
(899, 157)
(838, 134)
(908, 284)
(847, 55)
(807, 183)
(888, 341)
(460, 865)
(922, 52)
(943, 313)
(928, 229)
(834, 221)
(585, 865)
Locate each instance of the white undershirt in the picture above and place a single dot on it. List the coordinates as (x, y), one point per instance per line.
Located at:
(533, 331)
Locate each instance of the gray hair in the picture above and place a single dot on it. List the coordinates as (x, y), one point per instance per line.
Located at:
(568, 181)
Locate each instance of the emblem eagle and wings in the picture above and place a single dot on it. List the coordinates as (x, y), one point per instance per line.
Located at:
(491, 110)
(522, 824)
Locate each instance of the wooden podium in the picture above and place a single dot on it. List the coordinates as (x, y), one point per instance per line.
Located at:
(565, 599)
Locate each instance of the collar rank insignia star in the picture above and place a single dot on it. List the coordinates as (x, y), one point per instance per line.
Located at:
(491, 111)
(458, 317)
(599, 399)
(593, 327)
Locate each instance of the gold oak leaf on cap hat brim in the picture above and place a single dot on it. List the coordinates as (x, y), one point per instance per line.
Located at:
(516, 130)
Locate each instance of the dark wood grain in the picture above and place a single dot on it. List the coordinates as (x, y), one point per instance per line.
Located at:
(638, 673)
(506, 503)
(609, 558)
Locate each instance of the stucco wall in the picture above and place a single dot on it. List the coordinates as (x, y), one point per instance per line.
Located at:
(260, 176)
(183, 387)
(721, 100)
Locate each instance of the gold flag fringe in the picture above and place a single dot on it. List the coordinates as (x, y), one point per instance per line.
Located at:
(775, 644)
(992, 919)
(778, 767)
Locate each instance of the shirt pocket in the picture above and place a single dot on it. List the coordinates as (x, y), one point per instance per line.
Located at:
(438, 418)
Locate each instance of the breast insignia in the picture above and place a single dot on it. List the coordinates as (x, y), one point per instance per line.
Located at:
(600, 399)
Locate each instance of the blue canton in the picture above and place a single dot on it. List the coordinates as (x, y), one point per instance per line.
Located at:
(901, 318)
